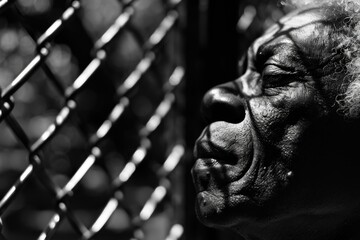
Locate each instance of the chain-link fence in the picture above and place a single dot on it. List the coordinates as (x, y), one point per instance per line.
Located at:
(93, 117)
(91, 123)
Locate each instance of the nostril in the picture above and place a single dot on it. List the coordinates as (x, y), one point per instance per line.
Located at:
(219, 104)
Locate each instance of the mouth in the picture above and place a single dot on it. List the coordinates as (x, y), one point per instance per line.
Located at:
(221, 177)
(217, 167)
(225, 171)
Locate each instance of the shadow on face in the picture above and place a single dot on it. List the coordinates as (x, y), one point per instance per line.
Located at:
(276, 159)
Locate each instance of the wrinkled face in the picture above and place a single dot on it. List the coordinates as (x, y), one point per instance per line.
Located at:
(251, 159)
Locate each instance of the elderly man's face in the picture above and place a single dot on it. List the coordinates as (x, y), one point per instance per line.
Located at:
(263, 157)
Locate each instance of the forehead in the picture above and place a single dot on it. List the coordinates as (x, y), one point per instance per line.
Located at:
(296, 27)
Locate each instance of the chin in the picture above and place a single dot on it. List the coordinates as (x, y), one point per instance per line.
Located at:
(221, 211)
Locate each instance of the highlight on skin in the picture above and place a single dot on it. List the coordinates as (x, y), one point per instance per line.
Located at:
(348, 44)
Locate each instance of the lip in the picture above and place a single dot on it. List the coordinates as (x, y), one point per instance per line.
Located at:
(216, 166)
(209, 172)
(204, 149)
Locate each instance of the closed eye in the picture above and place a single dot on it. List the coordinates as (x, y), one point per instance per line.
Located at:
(276, 76)
(279, 80)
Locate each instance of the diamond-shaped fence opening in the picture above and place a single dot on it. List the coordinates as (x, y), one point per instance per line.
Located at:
(91, 131)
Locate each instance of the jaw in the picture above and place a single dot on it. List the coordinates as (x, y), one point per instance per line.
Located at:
(221, 201)
(233, 201)
(223, 205)
(222, 211)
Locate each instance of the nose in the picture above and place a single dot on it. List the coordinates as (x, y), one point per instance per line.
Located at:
(223, 103)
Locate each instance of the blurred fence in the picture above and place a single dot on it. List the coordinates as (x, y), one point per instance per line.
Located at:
(95, 112)
(91, 126)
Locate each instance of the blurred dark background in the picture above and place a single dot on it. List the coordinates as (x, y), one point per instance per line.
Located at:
(209, 40)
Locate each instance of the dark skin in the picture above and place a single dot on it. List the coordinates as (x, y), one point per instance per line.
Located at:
(276, 161)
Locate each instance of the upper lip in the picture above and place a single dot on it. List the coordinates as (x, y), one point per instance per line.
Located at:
(206, 149)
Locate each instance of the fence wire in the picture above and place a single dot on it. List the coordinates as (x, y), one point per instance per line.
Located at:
(165, 112)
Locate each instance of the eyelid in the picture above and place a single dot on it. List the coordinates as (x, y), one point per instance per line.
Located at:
(280, 80)
(278, 76)
(282, 67)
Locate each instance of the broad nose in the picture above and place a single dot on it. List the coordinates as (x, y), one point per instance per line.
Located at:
(223, 103)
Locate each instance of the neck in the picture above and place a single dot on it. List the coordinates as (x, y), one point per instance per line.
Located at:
(322, 224)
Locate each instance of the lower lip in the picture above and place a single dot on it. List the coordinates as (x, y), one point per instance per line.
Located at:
(210, 177)
(204, 169)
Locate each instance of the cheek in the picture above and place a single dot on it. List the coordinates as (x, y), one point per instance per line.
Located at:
(283, 116)
(302, 100)
(279, 123)
(267, 120)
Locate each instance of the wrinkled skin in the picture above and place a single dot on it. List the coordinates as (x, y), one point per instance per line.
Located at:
(276, 161)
